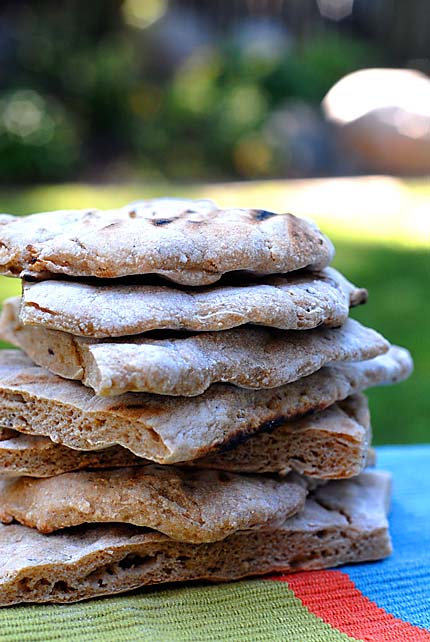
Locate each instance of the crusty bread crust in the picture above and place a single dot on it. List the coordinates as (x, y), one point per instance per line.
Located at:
(343, 522)
(331, 444)
(300, 301)
(187, 365)
(189, 242)
(173, 429)
(188, 505)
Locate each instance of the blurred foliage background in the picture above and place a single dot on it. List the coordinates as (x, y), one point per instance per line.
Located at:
(183, 89)
(117, 100)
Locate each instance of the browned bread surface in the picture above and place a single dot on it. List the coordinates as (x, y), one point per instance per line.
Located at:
(342, 522)
(298, 301)
(331, 444)
(248, 357)
(188, 505)
(189, 242)
(173, 429)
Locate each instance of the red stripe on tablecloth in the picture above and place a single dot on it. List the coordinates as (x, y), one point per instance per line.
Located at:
(333, 596)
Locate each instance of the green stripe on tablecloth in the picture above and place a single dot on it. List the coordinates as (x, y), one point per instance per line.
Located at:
(248, 611)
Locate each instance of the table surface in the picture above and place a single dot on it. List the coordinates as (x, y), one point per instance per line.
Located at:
(382, 601)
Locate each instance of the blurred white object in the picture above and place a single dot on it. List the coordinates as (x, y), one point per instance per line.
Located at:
(335, 9)
(384, 116)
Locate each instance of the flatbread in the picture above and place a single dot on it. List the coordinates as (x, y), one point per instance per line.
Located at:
(189, 242)
(187, 365)
(35, 456)
(190, 506)
(173, 429)
(330, 444)
(300, 301)
(343, 522)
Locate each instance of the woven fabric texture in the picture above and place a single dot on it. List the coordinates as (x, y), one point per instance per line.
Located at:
(384, 601)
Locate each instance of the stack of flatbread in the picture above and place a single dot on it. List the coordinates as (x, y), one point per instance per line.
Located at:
(186, 403)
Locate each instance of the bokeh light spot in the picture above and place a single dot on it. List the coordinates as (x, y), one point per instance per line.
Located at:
(335, 9)
(23, 113)
(194, 84)
(245, 105)
(143, 13)
(253, 156)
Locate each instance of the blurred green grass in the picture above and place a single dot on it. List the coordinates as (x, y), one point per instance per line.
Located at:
(399, 308)
(371, 250)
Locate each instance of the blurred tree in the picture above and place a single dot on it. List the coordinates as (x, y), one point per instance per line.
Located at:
(151, 88)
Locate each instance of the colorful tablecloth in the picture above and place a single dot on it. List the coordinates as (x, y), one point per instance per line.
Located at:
(386, 601)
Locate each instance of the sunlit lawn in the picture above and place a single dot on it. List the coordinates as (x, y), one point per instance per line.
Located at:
(381, 228)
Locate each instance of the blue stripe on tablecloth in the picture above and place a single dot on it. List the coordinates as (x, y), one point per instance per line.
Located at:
(401, 584)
